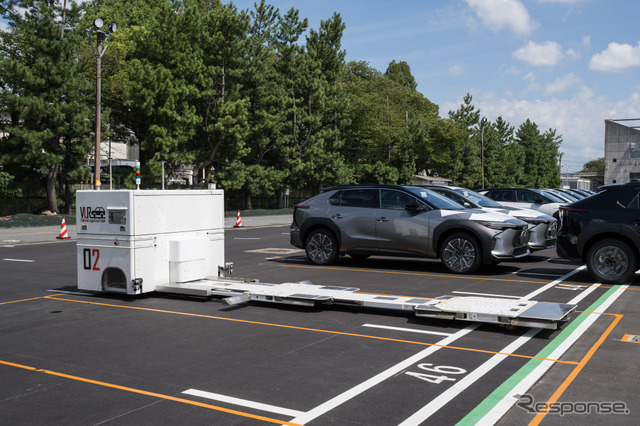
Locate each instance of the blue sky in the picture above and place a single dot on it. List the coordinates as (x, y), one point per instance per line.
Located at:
(565, 64)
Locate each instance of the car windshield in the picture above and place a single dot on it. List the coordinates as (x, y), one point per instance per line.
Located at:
(479, 199)
(550, 196)
(436, 200)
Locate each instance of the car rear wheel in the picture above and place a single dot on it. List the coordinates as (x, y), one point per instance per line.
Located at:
(461, 253)
(611, 261)
(322, 247)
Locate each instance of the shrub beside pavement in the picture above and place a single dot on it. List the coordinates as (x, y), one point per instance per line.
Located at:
(27, 220)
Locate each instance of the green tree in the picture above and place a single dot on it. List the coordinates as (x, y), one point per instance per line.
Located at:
(388, 138)
(44, 93)
(182, 92)
(400, 72)
(329, 99)
(259, 173)
(541, 153)
(594, 166)
(503, 166)
(5, 186)
(466, 153)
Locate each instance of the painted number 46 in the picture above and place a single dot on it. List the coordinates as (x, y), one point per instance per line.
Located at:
(440, 370)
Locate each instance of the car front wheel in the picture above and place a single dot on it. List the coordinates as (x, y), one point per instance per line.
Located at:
(611, 261)
(461, 253)
(322, 247)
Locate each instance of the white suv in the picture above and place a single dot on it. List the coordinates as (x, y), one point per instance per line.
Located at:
(525, 198)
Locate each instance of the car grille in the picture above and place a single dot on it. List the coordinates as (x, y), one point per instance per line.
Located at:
(521, 238)
(520, 250)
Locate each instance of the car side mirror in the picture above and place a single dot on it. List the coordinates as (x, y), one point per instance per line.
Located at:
(414, 208)
(538, 201)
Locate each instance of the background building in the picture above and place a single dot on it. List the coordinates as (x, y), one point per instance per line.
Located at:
(621, 150)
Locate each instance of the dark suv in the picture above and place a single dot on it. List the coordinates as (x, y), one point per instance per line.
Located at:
(603, 231)
(394, 220)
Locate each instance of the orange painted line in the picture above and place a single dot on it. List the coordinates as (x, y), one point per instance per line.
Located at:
(556, 395)
(11, 364)
(22, 300)
(294, 327)
(152, 394)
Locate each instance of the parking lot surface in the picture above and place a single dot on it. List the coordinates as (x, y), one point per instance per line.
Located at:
(73, 357)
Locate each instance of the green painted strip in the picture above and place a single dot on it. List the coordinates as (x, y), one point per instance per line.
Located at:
(508, 385)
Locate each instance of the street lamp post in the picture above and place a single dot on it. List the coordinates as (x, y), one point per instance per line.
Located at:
(102, 42)
(483, 123)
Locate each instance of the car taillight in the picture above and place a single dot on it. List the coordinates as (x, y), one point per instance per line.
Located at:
(300, 206)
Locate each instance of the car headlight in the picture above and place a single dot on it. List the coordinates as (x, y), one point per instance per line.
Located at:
(496, 225)
(532, 220)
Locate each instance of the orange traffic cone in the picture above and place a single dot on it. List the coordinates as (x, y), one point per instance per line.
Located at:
(238, 221)
(63, 231)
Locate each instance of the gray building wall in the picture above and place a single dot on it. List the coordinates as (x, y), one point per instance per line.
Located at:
(621, 151)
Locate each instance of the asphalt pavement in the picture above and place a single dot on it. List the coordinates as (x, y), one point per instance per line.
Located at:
(84, 358)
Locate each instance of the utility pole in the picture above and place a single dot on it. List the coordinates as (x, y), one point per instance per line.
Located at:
(483, 123)
(102, 42)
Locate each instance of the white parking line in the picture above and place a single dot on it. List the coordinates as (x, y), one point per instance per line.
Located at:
(553, 283)
(243, 402)
(379, 378)
(532, 378)
(445, 397)
(455, 390)
(409, 330)
(19, 260)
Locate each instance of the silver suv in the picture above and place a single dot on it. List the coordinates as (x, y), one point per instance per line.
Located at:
(542, 227)
(393, 220)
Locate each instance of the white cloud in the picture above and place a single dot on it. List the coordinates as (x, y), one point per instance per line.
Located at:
(562, 83)
(512, 70)
(531, 79)
(456, 70)
(586, 41)
(579, 119)
(539, 55)
(498, 15)
(571, 54)
(617, 57)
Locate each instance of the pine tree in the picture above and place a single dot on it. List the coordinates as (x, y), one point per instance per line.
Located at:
(45, 95)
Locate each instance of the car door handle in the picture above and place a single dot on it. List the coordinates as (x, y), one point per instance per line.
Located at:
(382, 219)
